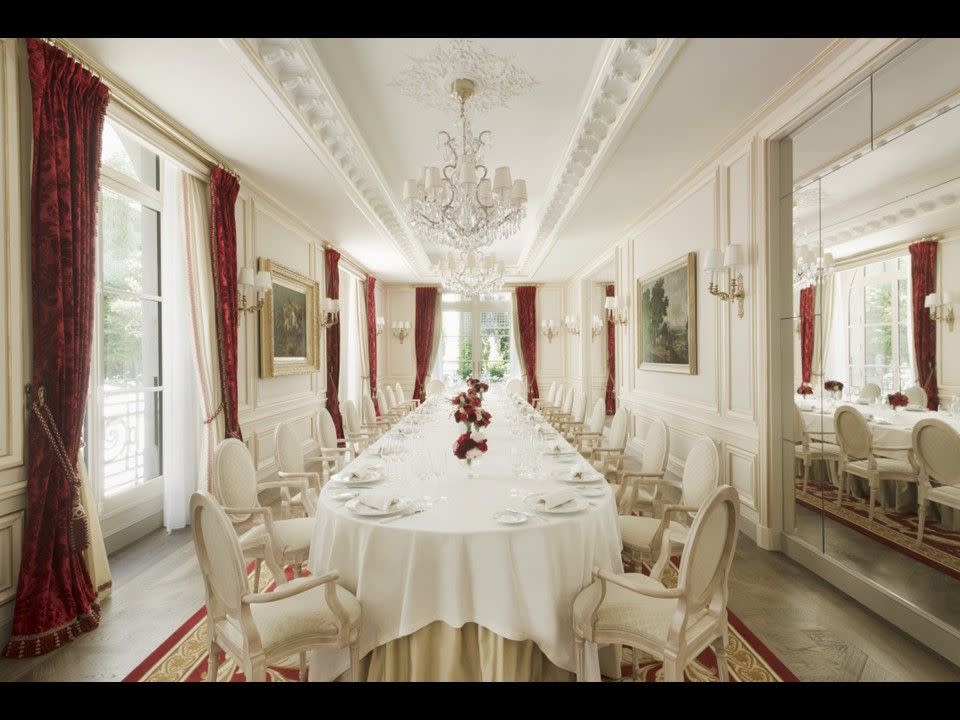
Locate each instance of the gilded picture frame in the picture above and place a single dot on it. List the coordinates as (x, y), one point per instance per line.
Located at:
(667, 317)
(289, 323)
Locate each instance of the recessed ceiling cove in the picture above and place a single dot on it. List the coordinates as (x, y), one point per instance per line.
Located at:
(497, 78)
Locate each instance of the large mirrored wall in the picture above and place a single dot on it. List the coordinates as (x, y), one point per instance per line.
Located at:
(873, 206)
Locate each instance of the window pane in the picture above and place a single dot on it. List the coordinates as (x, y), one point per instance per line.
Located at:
(123, 153)
(903, 295)
(906, 357)
(879, 375)
(130, 236)
(879, 345)
(131, 439)
(131, 342)
(457, 346)
(877, 302)
(495, 345)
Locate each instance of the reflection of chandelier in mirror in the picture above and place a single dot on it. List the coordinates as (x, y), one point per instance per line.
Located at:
(459, 206)
(471, 273)
(809, 266)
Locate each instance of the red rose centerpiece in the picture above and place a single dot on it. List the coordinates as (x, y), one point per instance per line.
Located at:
(834, 387)
(469, 411)
(804, 390)
(898, 400)
(477, 386)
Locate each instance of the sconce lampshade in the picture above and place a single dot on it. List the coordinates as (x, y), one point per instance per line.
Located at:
(610, 303)
(733, 257)
(264, 281)
(931, 301)
(246, 276)
(712, 262)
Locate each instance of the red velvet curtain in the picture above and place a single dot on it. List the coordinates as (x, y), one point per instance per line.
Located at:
(223, 255)
(372, 339)
(527, 321)
(332, 265)
(611, 397)
(806, 332)
(923, 275)
(424, 313)
(55, 599)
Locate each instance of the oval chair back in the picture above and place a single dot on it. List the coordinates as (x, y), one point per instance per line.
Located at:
(551, 392)
(391, 397)
(327, 430)
(597, 416)
(567, 405)
(656, 448)
(701, 473)
(617, 438)
(870, 392)
(401, 397)
(351, 418)
(234, 478)
(287, 449)
(219, 556)
(936, 446)
(579, 411)
(434, 387)
(916, 396)
(369, 411)
(853, 433)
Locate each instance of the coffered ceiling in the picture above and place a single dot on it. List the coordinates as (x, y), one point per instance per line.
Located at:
(605, 128)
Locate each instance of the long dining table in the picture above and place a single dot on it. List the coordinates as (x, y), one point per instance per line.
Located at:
(889, 429)
(447, 590)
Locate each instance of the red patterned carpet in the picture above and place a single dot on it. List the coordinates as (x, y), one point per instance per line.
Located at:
(940, 548)
(182, 657)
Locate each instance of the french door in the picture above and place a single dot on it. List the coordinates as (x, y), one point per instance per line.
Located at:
(476, 338)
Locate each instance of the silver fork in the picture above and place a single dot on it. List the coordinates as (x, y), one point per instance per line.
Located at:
(416, 509)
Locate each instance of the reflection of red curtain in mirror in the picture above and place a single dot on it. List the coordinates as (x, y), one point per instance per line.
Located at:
(55, 599)
(372, 339)
(332, 266)
(923, 276)
(527, 322)
(224, 188)
(610, 398)
(425, 312)
(806, 332)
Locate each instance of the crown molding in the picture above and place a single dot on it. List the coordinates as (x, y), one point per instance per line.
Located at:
(291, 75)
(625, 81)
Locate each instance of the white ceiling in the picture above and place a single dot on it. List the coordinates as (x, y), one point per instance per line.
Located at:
(221, 91)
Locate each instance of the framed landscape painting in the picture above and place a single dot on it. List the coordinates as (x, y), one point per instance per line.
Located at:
(289, 323)
(667, 314)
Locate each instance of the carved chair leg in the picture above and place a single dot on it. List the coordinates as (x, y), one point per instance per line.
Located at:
(720, 650)
(302, 675)
(258, 669)
(873, 498)
(921, 520)
(672, 672)
(213, 660)
(354, 662)
(580, 653)
(256, 575)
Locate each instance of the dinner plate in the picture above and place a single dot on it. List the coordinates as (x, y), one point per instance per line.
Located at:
(592, 491)
(343, 495)
(507, 517)
(368, 478)
(575, 505)
(587, 477)
(358, 508)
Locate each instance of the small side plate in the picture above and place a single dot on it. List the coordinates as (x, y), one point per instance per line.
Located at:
(344, 495)
(506, 517)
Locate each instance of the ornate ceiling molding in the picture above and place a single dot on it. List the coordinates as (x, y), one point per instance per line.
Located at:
(627, 77)
(289, 71)
(427, 80)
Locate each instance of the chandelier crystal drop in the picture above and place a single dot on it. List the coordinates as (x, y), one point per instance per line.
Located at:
(810, 266)
(460, 205)
(471, 273)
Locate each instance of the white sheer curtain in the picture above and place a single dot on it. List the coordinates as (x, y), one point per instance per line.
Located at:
(351, 372)
(95, 556)
(203, 330)
(363, 350)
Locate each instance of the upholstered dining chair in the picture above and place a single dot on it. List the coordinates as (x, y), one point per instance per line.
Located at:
(870, 393)
(936, 447)
(590, 435)
(261, 538)
(260, 628)
(395, 408)
(573, 423)
(548, 398)
(641, 491)
(673, 624)
(516, 386)
(648, 537)
(387, 411)
(334, 451)
(858, 455)
(372, 424)
(353, 430)
(434, 388)
(402, 398)
(607, 458)
(560, 411)
(916, 396)
(814, 446)
(291, 465)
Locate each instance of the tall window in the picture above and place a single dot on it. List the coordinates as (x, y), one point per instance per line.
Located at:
(880, 349)
(124, 419)
(476, 338)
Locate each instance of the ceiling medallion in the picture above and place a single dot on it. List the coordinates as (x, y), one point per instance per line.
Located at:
(458, 206)
(497, 79)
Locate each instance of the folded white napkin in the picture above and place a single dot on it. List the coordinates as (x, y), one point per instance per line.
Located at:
(378, 500)
(556, 498)
(578, 474)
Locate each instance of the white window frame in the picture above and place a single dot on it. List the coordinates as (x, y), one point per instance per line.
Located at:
(476, 306)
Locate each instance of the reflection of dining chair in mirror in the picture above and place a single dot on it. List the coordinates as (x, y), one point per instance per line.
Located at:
(916, 396)
(870, 393)
(814, 446)
(936, 446)
(858, 456)
(674, 624)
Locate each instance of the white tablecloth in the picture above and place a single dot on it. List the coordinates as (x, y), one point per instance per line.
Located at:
(453, 562)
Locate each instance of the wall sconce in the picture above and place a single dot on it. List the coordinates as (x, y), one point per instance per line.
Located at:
(731, 259)
(263, 283)
(940, 306)
(616, 312)
(596, 326)
(571, 324)
(329, 312)
(381, 323)
(400, 329)
(550, 330)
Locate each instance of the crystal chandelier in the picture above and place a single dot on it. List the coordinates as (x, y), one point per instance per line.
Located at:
(471, 273)
(458, 205)
(809, 266)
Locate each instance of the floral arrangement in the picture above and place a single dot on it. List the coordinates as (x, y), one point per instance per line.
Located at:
(469, 411)
(804, 390)
(898, 400)
(833, 386)
(477, 386)
(470, 445)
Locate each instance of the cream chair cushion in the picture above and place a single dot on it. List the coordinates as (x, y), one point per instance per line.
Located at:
(884, 465)
(293, 617)
(625, 611)
(644, 496)
(638, 532)
(945, 495)
(294, 534)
